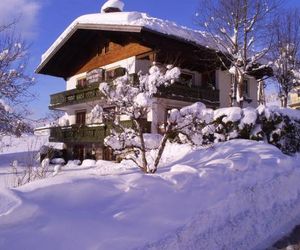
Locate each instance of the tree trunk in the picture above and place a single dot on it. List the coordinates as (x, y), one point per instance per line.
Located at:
(284, 101)
(232, 95)
(144, 166)
(160, 151)
(240, 92)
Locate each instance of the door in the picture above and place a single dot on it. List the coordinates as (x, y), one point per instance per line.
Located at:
(80, 117)
(78, 152)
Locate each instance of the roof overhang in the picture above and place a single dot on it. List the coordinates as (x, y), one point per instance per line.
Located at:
(52, 51)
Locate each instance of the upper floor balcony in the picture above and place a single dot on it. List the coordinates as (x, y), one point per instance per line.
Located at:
(87, 90)
(75, 96)
(179, 90)
(182, 92)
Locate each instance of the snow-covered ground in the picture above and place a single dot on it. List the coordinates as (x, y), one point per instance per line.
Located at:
(235, 195)
(23, 149)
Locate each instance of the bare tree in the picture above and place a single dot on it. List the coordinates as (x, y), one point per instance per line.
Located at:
(14, 82)
(238, 30)
(286, 52)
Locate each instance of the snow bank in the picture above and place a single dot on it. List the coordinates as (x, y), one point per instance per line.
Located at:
(74, 163)
(59, 161)
(235, 195)
(8, 202)
(88, 163)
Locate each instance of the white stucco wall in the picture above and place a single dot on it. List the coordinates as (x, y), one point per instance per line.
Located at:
(252, 89)
(223, 79)
(159, 108)
(142, 65)
(71, 111)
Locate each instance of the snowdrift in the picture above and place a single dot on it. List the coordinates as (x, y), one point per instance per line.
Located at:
(235, 195)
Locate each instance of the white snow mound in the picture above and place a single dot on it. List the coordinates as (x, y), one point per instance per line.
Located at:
(234, 195)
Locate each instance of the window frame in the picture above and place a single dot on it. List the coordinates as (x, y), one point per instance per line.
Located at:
(81, 117)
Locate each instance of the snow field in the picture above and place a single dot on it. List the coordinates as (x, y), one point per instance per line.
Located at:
(235, 195)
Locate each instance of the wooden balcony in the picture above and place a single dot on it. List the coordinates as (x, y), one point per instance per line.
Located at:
(295, 104)
(75, 96)
(88, 134)
(78, 134)
(177, 91)
(88, 93)
(183, 92)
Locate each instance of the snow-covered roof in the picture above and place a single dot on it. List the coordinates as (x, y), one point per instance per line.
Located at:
(126, 21)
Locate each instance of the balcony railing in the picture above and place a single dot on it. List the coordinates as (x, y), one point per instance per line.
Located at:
(193, 93)
(178, 91)
(75, 96)
(78, 134)
(88, 134)
(86, 94)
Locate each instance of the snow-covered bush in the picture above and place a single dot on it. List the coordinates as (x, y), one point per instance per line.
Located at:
(28, 173)
(280, 127)
(64, 120)
(134, 101)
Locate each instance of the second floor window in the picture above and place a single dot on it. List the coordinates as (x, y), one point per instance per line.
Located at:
(80, 117)
(81, 83)
(114, 73)
(209, 80)
(246, 87)
(187, 79)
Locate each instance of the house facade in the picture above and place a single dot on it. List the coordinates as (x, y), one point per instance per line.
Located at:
(100, 47)
(294, 98)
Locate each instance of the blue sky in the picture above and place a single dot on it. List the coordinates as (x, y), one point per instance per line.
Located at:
(43, 21)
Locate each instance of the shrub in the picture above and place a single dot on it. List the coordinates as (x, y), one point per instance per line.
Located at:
(279, 127)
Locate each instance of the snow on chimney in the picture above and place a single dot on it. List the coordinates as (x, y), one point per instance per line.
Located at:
(112, 6)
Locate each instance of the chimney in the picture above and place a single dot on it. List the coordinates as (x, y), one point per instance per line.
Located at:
(112, 6)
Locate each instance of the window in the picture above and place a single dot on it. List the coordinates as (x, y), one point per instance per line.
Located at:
(246, 87)
(106, 47)
(209, 79)
(80, 117)
(187, 78)
(78, 152)
(81, 83)
(95, 76)
(114, 73)
(150, 56)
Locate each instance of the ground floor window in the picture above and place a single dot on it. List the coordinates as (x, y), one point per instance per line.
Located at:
(78, 152)
(93, 151)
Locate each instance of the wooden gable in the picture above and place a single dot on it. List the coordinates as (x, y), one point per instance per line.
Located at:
(89, 49)
(113, 52)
